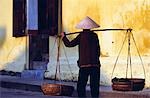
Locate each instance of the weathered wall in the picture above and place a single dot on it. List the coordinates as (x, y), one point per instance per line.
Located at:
(133, 14)
(12, 50)
(109, 14)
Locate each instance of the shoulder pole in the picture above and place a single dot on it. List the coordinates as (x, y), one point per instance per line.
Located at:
(129, 29)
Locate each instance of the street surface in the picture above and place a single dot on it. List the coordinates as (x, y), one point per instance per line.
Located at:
(13, 93)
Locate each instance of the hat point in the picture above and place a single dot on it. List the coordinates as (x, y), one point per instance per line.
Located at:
(87, 23)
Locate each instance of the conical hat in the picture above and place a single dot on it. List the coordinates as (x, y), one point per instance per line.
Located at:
(87, 23)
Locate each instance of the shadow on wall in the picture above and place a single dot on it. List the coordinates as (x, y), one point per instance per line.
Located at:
(2, 35)
(18, 63)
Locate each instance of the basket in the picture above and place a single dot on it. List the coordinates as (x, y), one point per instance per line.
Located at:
(128, 84)
(138, 84)
(57, 89)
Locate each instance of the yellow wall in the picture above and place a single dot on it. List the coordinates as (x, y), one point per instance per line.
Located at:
(108, 13)
(12, 50)
(133, 14)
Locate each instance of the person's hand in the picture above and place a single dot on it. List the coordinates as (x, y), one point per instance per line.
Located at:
(62, 34)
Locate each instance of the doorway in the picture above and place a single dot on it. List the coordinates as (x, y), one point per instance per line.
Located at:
(39, 38)
(38, 51)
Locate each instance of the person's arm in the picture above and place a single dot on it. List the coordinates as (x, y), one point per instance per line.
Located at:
(68, 43)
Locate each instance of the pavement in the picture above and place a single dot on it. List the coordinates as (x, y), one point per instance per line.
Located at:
(34, 85)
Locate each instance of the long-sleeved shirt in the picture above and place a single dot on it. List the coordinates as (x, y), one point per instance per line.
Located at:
(89, 48)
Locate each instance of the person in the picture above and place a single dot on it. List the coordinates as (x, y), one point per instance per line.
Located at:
(89, 53)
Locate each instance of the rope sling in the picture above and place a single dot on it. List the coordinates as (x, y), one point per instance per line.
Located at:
(128, 84)
(129, 35)
(57, 70)
(135, 83)
(58, 88)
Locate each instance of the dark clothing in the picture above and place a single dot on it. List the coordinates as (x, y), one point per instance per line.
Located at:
(89, 50)
(94, 73)
(89, 64)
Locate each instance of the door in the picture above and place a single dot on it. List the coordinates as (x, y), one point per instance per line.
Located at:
(39, 39)
(38, 51)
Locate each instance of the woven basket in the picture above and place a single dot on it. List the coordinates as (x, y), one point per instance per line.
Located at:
(138, 84)
(57, 89)
(128, 84)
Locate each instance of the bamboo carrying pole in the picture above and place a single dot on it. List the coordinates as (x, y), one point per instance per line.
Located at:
(129, 29)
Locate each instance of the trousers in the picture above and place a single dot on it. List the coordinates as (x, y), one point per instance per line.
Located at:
(94, 74)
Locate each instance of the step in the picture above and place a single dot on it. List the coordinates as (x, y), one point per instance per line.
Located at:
(33, 74)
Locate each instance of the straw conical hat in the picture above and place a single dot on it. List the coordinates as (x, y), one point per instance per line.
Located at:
(87, 23)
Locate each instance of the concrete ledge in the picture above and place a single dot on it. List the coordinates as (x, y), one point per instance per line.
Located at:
(35, 85)
(21, 86)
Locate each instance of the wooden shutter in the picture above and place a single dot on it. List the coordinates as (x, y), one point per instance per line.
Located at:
(48, 17)
(19, 18)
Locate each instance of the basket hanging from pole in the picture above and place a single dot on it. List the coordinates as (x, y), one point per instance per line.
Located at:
(57, 89)
(128, 84)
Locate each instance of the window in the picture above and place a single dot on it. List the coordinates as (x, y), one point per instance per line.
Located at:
(48, 17)
(19, 18)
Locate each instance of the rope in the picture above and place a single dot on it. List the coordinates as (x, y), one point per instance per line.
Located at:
(129, 54)
(130, 34)
(58, 62)
(68, 62)
(127, 66)
(139, 56)
(57, 70)
(131, 66)
(51, 51)
(118, 55)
